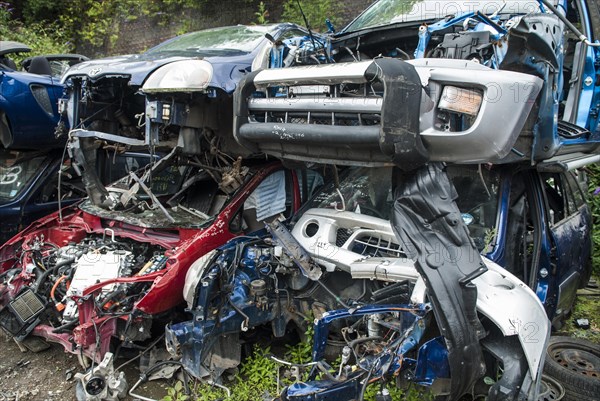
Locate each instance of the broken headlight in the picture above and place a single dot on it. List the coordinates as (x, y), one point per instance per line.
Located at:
(180, 76)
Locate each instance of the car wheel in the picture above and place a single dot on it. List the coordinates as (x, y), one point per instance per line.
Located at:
(575, 363)
(550, 390)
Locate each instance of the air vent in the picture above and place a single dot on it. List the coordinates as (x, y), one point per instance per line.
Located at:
(40, 94)
(340, 119)
(372, 245)
(342, 236)
(19, 317)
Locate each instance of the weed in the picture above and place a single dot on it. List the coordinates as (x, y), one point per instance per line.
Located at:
(175, 393)
(262, 15)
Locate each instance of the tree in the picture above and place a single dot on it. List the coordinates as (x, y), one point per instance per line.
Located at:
(316, 11)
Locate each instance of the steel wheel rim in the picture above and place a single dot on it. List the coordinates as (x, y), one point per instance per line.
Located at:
(577, 360)
(550, 389)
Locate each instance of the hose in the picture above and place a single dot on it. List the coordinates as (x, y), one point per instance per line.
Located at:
(49, 271)
(53, 290)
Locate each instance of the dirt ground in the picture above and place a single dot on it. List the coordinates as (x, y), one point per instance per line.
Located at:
(35, 376)
(48, 375)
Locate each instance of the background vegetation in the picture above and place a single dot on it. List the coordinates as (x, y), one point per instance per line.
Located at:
(94, 27)
(594, 202)
(42, 37)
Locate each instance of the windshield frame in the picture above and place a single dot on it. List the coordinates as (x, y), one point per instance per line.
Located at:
(174, 45)
(433, 12)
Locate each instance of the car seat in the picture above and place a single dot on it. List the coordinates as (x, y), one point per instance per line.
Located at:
(40, 65)
(8, 62)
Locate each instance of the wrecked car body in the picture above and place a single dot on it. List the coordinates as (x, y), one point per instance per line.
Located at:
(89, 276)
(343, 264)
(28, 98)
(176, 97)
(112, 268)
(454, 97)
(502, 86)
(29, 183)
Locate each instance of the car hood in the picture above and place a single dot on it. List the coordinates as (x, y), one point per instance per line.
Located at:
(139, 67)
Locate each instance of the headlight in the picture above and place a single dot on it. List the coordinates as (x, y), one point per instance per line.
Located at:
(193, 275)
(66, 108)
(180, 76)
(460, 100)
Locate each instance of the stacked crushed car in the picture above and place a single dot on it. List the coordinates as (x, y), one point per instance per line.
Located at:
(442, 257)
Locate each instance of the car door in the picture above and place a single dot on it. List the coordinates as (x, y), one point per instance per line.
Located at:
(569, 231)
(584, 253)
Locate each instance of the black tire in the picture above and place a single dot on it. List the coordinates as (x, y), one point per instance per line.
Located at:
(574, 363)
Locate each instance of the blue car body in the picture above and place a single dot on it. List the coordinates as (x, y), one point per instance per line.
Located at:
(29, 98)
(522, 219)
(27, 200)
(28, 109)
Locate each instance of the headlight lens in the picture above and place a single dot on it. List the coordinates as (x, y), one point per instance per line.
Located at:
(461, 100)
(180, 76)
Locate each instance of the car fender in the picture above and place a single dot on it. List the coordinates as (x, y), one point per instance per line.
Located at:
(515, 309)
(512, 306)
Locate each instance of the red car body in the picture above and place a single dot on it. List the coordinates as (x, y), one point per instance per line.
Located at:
(182, 247)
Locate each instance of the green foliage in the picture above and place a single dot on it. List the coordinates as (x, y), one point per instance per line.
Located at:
(594, 202)
(259, 370)
(42, 38)
(36, 11)
(586, 307)
(96, 22)
(489, 240)
(413, 393)
(316, 11)
(262, 15)
(302, 352)
(176, 393)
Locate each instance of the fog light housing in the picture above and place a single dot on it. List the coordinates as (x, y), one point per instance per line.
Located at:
(460, 100)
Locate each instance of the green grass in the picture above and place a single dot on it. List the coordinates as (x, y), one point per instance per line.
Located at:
(586, 307)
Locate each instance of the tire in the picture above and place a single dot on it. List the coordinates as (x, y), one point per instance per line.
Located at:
(574, 363)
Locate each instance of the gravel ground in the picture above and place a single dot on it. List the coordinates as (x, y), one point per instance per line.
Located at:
(48, 375)
(35, 375)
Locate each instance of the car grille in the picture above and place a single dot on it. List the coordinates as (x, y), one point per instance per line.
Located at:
(372, 245)
(341, 119)
(342, 236)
